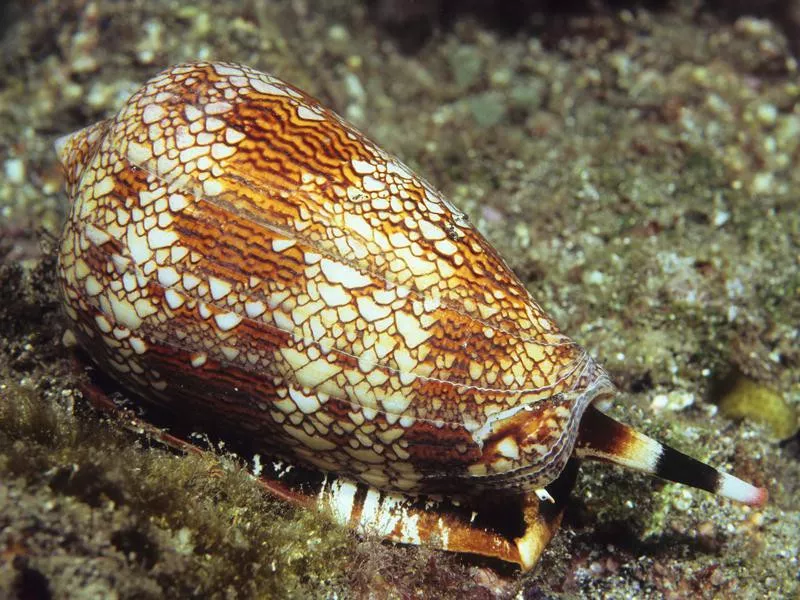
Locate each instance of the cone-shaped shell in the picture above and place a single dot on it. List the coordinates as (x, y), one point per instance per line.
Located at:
(243, 255)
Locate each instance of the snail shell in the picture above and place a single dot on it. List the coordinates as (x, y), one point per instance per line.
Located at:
(243, 256)
(236, 249)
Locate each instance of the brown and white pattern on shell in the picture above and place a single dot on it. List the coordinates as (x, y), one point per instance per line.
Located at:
(335, 302)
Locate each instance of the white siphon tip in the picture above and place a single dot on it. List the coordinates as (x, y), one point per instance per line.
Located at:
(741, 491)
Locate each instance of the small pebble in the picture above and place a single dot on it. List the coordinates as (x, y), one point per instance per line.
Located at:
(756, 519)
(683, 500)
(596, 568)
(594, 278)
(762, 183)
(466, 64)
(338, 33)
(675, 401)
(767, 114)
(488, 109)
(354, 87)
(15, 170)
(706, 529)
(753, 27)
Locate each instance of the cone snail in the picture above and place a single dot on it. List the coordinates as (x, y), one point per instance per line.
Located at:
(240, 255)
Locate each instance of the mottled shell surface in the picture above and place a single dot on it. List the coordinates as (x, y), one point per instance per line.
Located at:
(242, 255)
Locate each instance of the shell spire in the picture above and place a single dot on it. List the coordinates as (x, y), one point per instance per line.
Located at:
(74, 151)
(603, 438)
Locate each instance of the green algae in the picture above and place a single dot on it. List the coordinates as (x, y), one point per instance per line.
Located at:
(745, 398)
(200, 515)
